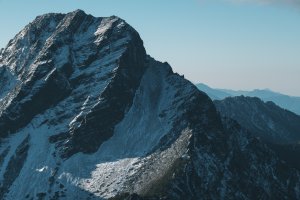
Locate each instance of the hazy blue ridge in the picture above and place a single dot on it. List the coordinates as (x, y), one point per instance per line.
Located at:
(287, 102)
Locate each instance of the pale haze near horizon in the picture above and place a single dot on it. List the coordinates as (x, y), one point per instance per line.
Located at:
(225, 44)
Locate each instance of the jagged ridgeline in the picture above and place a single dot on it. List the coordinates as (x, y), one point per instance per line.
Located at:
(85, 113)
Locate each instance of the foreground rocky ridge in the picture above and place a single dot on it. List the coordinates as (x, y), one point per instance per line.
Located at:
(277, 127)
(85, 113)
(266, 120)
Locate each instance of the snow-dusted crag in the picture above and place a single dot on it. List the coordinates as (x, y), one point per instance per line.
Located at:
(85, 113)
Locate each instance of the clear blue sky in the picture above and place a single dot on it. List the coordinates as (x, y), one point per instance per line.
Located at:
(217, 42)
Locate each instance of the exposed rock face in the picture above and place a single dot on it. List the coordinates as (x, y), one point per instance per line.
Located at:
(14, 166)
(85, 113)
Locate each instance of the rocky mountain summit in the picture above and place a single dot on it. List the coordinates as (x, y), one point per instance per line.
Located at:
(85, 113)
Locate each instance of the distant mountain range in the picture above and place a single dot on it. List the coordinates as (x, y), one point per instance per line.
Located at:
(287, 102)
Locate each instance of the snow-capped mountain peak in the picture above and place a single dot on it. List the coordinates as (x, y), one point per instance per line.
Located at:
(85, 113)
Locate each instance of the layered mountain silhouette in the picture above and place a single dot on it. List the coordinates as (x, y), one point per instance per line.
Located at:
(288, 102)
(85, 113)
